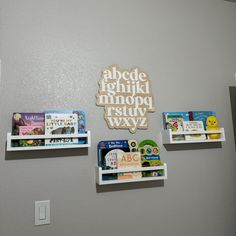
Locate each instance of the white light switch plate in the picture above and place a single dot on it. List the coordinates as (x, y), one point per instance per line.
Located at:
(42, 212)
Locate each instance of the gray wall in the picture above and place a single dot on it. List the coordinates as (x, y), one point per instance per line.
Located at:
(52, 54)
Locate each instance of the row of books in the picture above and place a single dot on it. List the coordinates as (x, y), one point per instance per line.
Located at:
(190, 121)
(123, 154)
(48, 122)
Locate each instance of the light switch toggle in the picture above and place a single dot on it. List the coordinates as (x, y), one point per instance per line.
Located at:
(42, 212)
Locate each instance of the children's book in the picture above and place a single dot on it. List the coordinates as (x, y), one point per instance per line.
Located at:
(129, 160)
(28, 124)
(81, 121)
(168, 116)
(27, 119)
(194, 126)
(56, 123)
(107, 155)
(150, 156)
(174, 121)
(104, 147)
(31, 130)
(28, 142)
(201, 116)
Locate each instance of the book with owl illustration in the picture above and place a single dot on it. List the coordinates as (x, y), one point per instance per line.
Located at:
(61, 123)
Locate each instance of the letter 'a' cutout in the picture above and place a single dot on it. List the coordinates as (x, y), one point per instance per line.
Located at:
(126, 97)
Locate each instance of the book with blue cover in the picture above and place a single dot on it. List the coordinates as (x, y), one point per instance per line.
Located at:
(200, 116)
(108, 151)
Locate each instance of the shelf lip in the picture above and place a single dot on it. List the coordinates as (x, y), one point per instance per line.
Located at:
(198, 141)
(167, 136)
(31, 148)
(47, 136)
(48, 147)
(100, 173)
(114, 171)
(144, 179)
(220, 131)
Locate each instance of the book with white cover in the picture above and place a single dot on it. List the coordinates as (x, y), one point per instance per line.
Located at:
(56, 123)
(194, 126)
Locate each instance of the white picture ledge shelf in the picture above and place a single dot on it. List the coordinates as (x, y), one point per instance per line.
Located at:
(100, 173)
(167, 136)
(11, 137)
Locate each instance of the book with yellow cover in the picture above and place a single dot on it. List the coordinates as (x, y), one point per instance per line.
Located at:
(129, 160)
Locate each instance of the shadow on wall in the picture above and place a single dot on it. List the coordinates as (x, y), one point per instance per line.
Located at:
(129, 186)
(57, 153)
(191, 146)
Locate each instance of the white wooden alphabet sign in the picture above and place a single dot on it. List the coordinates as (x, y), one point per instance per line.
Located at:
(127, 98)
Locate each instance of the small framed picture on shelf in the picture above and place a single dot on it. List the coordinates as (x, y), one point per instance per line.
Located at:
(194, 126)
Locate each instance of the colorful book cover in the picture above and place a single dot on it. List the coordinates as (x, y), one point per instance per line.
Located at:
(150, 156)
(81, 121)
(173, 114)
(26, 119)
(107, 155)
(174, 121)
(128, 160)
(56, 123)
(29, 143)
(201, 116)
(194, 126)
(27, 124)
(105, 147)
(31, 130)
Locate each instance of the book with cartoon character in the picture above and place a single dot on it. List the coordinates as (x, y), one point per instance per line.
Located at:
(174, 121)
(27, 124)
(61, 123)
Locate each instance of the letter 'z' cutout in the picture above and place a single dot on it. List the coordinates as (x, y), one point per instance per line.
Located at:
(126, 97)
